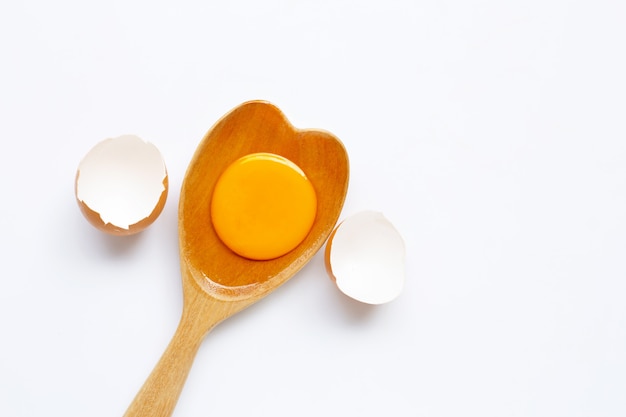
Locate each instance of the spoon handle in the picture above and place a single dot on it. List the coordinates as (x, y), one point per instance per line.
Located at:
(159, 394)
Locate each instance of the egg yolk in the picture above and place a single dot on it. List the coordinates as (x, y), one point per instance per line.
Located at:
(263, 206)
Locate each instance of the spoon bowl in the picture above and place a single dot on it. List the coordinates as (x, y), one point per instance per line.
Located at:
(218, 283)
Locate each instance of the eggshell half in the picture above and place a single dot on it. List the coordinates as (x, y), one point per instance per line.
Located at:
(121, 185)
(365, 256)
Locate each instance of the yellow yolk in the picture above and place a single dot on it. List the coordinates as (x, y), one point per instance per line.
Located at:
(263, 206)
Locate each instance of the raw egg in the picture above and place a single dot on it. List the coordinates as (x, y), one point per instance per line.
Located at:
(263, 206)
(365, 256)
(121, 185)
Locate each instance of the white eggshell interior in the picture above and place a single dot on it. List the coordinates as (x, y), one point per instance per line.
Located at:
(122, 180)
(367, 258)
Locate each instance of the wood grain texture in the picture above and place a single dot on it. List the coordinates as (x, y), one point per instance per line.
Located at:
(217, 283)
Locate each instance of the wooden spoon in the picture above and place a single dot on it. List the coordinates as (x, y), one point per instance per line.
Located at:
(217, 283)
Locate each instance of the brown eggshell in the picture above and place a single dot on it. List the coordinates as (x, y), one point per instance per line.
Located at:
(122, 178)
(365, 258)
(94, 217)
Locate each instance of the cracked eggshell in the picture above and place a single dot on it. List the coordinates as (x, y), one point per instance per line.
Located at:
(365, 256)
(121, 185)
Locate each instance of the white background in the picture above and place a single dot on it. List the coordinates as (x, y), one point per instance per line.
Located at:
(491, 133)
